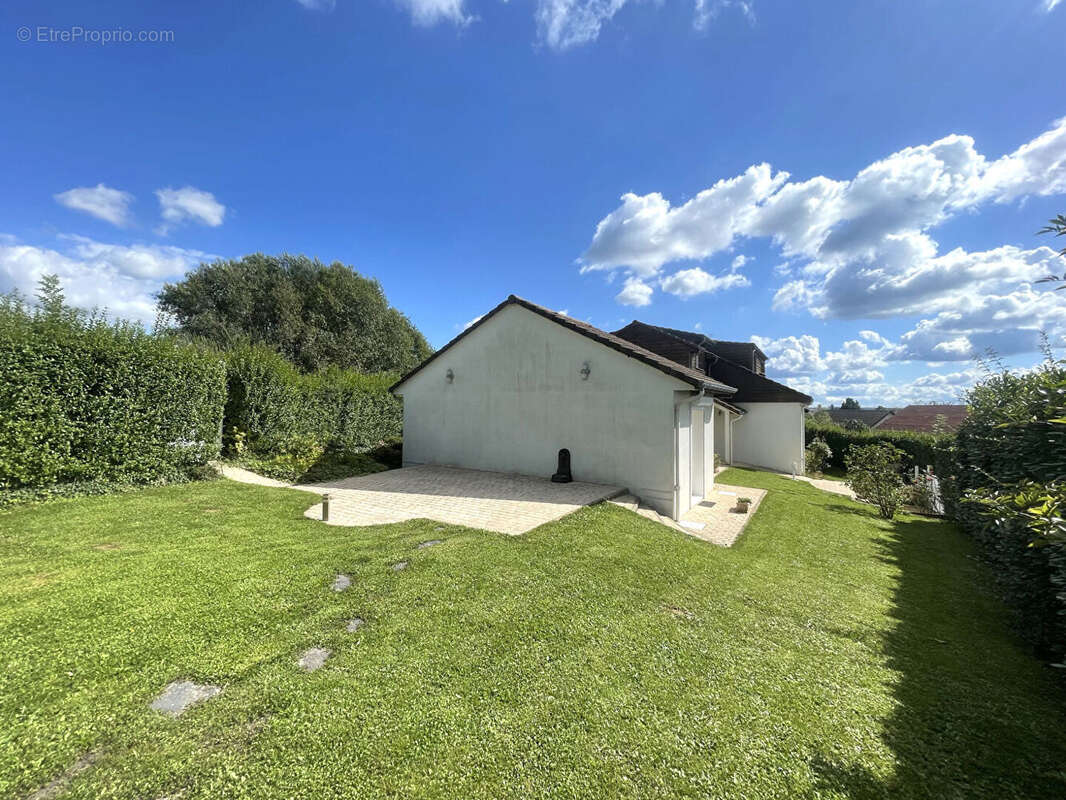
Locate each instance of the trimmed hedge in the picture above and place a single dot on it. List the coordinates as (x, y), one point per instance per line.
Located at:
(921, 449)
(272, 408)
(83, 400)
(1011, 471)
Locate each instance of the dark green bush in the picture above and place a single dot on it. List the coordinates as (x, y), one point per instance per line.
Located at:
(273, 409)
(1011, 456)
(919, 448)
(86, 401)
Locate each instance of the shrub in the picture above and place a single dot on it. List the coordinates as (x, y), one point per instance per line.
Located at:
(817, 455)
(272, 409)
(874, 472)
(83, 400)
(855, 425)
(1011, 455)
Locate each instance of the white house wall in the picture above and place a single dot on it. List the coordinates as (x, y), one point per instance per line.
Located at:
(518, 397)
(770, 435)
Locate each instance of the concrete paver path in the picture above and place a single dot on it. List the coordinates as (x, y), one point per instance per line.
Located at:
(495, 501)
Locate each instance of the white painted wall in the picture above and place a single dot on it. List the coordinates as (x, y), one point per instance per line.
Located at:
(770, 435)
(518, 397)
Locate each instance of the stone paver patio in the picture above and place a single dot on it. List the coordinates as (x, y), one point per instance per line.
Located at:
(714, 519)
(512, 504)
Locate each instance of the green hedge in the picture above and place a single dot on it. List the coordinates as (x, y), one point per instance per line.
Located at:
(84, 400)
(922, 449)
(273, 408)
(1011, 471)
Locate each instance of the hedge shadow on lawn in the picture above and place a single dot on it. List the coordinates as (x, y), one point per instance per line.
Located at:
(969, 720)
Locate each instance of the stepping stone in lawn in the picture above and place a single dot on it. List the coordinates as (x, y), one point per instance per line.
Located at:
(59, 786)
(180, 695)
(340, 583)
(430, 543)
(399, 565)
(355, 624)
(314, 658)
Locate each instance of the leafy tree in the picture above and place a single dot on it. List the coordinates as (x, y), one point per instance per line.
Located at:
(315, 315)
(855, 425)
(875, 473)
(50, 297)
(1056, 226)
(850, 404)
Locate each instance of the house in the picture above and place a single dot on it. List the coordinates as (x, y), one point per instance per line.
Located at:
(870, 417)
(524, 382)
(923, 418)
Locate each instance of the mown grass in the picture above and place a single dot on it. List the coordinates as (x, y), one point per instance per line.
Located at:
(828, 654)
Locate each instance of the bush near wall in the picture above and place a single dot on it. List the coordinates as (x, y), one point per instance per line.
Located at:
(1011, 471)
(83, 400)
(273, 409)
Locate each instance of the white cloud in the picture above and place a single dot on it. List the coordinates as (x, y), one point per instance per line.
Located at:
(691, 282)
(121, 278)
(189, 204)
(318, 5)
(646, 232)
(739, 262)
(426, 13)
(707, 10)
(634, 293)
(473, 322)
(861, 248)
(101, 201)
(1049, 5)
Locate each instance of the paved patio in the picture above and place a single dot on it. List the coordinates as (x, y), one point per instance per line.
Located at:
(512, 504)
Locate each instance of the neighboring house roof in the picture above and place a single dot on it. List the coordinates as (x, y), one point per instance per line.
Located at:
(750, 387)
(693, 377)
(923, 418)
(872, 417)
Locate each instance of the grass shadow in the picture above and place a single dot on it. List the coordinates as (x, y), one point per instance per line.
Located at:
(971, 715)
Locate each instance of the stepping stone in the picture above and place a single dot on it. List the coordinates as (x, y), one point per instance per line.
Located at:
(430, 543)
(439, 528)
(180, 695)
(59, 786)
(340, 583)
(314, 658)
(399, 565)
(355, 624)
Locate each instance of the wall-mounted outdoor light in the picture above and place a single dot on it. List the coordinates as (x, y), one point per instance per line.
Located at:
(449, 376)
(585, 371)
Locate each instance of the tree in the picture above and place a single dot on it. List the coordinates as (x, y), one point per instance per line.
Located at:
(50, 297)
(855, 425)
(875, 473)
(314, 315)
(850, 404)
(1057, 226)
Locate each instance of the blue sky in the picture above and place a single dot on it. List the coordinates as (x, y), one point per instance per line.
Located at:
(856, 184)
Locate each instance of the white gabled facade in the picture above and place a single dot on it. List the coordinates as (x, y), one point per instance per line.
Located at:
(517, 395)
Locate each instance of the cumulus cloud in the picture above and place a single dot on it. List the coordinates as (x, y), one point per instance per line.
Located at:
(121, 278)
(429, 12)
(861, 248)
(691, 282)
(634, 293)
(101, 201)
(189, 204)
(318, 5)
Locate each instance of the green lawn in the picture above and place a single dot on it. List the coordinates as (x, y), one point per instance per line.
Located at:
(828, 654)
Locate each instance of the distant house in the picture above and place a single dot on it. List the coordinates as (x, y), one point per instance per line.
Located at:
(870, 417)
(923, 418)
(644, 408)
